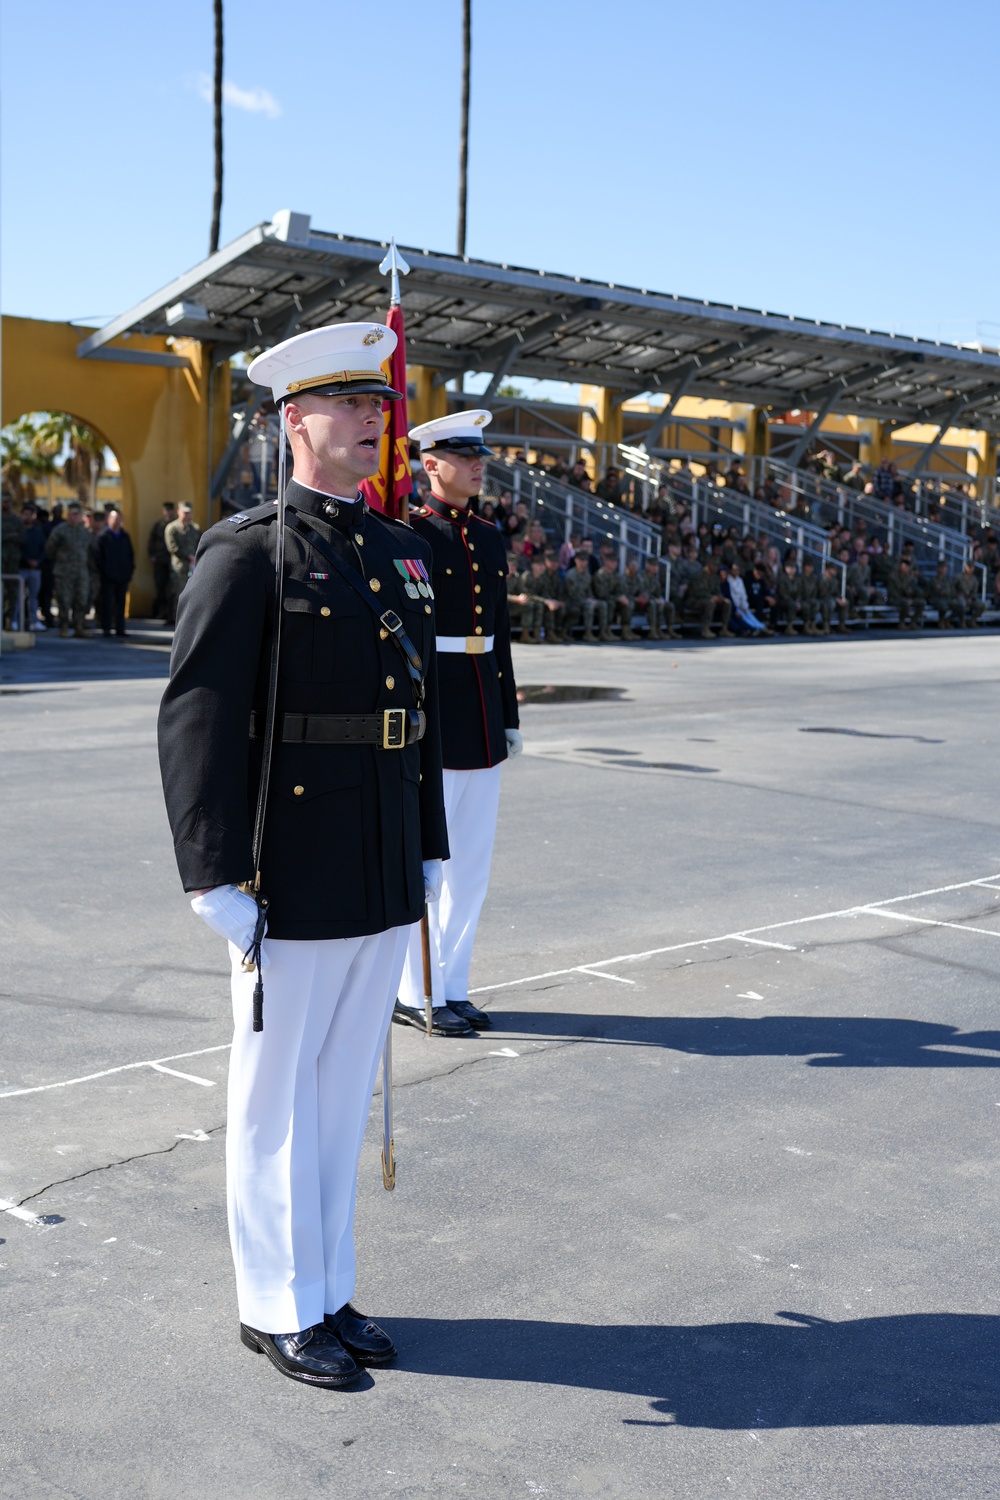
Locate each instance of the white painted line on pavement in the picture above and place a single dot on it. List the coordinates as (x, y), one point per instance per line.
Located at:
(899, 916)
(18, 1213)
(68, 1083)
(208, 1083)
(746, 935)
(729, 937)
(785, 947)
(596, 974)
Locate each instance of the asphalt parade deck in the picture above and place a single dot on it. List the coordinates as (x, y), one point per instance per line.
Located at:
(709, 1212)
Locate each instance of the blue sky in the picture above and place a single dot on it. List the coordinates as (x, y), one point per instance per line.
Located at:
(837, 162)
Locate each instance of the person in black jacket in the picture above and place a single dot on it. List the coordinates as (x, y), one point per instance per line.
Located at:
(353, 837)
(116, 564)
(479, 716)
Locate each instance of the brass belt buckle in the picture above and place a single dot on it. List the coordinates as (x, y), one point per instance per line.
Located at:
(475, 645)
(393, 728)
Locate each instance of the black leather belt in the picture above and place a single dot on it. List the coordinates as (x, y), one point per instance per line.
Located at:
(390, 730)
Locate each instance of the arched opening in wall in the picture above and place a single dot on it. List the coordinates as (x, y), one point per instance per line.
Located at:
(53, 462)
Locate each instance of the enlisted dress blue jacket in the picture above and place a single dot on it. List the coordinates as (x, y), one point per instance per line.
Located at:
(478, 693)
(348, 825)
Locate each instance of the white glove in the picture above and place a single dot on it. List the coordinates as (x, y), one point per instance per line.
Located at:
(515, 744)
(433, 876)
(232, 915)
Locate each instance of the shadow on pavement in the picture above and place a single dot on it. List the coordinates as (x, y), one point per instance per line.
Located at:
(825, 1041)
(918, 1369)
(143, 653)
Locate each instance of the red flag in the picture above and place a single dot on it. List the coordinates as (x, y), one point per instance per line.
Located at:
(389, 490)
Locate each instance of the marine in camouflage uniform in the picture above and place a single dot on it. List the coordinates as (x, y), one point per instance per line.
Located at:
(581, 604)
(939, 594)
(610, 586)
(704, 598)
(181, 537)
(906, 596)
(551, 588)
(967, 605)
(649, 598)
(525, 608)
(860, 590)
(830, 599)
(810, 596)
(68, 549)
(788, 592)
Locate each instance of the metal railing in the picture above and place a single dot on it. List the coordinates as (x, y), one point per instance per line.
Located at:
(563, 510)
(828, 503)
(728, 508)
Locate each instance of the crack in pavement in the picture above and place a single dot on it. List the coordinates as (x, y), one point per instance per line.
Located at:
(107, 1166)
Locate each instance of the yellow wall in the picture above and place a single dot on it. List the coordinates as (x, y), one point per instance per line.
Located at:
(154, 418)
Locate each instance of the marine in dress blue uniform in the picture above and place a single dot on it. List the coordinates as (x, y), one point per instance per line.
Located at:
(354, 827)
(479, 717)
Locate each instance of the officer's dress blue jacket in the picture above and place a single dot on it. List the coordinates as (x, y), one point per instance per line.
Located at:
(478, 695)
(348, 826)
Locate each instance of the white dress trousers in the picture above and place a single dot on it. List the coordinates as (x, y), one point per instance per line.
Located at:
(471, 799)
(299, 1094)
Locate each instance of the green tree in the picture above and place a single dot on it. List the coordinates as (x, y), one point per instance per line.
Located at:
(84, 449)
(28, 453)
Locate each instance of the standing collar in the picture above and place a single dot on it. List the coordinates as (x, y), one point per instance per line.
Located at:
(337, 510)
(447, 512)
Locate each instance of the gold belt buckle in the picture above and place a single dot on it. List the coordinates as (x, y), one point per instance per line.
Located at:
(393, 728)
(475, 645)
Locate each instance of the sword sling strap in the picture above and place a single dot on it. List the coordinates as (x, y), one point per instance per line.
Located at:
(388, 619)
(253, 953)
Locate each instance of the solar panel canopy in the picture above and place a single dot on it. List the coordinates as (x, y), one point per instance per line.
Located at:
(464, 314)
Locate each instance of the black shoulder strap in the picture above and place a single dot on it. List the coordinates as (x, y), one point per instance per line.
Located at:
(388, 619)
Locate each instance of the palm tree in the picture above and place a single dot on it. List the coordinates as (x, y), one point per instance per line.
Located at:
(463, 148)
(28, 454)
(213, 239)
(85, 459)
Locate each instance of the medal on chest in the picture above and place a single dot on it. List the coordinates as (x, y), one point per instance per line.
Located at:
(416, 580)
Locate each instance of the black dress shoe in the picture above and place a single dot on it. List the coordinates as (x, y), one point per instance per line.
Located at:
(315, 1355)
(364, 1340)
(476, 1018)
(444, 1022)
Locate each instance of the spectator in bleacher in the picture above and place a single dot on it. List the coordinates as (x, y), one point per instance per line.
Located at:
(905, 595)
(593, 562)
(742, 618)
(854, 479)
(772, 564)
(991, 550)
(525, 609)
(568, 551)
(789, 595)
(810, 596)
(884, 482)
(552, 590)
(761, 597)
(831, 598)
(860, 589)
(581, 605)
(536, 540)
(967, 604)
(747, 556)
(577, 474)
(880, 563)
(610, 488)
(938, 593)
(705, 600)
(610, 586)
(651, 601)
